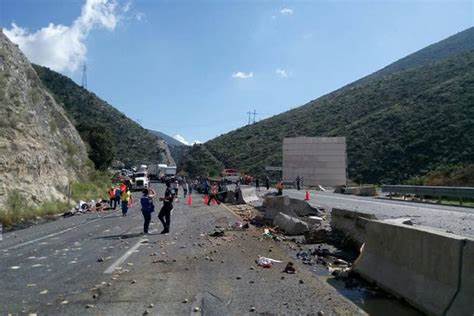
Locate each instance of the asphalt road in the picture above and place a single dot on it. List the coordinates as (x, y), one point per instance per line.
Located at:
(458, 220)
(53, 269)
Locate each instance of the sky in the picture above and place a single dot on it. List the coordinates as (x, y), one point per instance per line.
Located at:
(193, 69)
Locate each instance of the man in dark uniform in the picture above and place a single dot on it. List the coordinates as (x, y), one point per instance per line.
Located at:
(165, 213)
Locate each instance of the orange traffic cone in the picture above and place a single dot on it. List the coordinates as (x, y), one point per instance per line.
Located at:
(307, 196)
(206, 199)
(190, 200)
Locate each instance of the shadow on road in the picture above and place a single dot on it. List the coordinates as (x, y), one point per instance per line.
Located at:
(121, 236)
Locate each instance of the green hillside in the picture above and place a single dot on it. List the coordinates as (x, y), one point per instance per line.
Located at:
(111, 135)
(411, 117)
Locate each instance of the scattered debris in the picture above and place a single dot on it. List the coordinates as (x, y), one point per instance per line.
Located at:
(266, 262)
(290, 269)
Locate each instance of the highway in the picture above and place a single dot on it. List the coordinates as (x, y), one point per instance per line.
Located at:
(459, 220)
(103, 265)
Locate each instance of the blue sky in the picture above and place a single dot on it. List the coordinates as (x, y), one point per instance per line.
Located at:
(195, 68)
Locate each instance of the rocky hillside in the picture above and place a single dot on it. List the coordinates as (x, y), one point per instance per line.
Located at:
(40, 150)
(125, 140)
(413, 116)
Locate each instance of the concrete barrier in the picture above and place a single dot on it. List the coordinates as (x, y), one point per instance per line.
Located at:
(247, 194)
(286, 205)
(420, 264)
(361, 191)
(463, 304)
(351, 224)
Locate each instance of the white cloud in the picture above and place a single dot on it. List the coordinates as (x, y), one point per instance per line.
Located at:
(184, 141)
(281, 73)
(286, 11)
(242, 75)
(61, 47)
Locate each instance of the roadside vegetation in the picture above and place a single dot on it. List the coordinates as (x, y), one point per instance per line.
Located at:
(18, 210)
(414, 117)
(110, 134)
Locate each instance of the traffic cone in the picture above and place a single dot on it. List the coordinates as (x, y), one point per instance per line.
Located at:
(190, 200)
(307, 196)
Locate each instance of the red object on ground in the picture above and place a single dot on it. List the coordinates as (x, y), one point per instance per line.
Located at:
(190, 200)
(307, 196)
(206, 199)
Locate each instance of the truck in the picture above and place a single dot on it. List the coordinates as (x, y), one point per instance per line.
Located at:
(140, 180)
(170, 171)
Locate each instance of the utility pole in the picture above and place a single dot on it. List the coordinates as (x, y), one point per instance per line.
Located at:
(249, 114)
(84, 76)
(254, 115)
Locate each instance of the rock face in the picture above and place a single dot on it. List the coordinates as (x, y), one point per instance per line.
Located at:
(40, 150)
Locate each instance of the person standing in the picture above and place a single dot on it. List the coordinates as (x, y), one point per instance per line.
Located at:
(118, 192)
(165, 213)
(298, 183)
(126, 200)
(213, 194)
(148, 207)
(111, 193)
(236, 193)
(267, 182)
(257, 184)
(279, 187)
(185, 188)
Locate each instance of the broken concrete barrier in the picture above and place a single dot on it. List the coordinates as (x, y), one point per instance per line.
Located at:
(247, 194)
(351, 224)
(290, 225)
(284, 204)
(420, 264)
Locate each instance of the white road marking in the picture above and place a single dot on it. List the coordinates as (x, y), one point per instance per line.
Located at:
(57, 233)
(39, 239)
(124, 257)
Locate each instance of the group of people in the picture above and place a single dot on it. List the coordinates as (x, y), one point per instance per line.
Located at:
(148, 207)
(120, 195)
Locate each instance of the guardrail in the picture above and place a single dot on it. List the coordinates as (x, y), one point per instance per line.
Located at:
(433, 191)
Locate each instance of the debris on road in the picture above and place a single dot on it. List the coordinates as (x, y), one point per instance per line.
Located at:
(266, 262)
(290, 269)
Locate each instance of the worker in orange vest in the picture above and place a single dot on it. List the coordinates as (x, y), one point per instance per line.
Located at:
(112, 200)
(279, 187)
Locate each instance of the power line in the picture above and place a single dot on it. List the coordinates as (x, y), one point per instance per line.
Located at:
(250, 119)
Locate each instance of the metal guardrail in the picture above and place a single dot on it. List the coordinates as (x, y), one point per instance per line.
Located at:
(435, 191)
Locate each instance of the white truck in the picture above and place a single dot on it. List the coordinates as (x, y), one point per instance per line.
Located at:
(140, 180)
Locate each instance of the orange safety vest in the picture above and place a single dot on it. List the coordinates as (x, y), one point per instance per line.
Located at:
(112, 193)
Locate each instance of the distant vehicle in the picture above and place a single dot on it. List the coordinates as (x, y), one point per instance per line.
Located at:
(230, 175)
(156, 171)
(170, 171)
(140, 181)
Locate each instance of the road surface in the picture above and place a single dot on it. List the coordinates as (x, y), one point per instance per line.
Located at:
(458, 220)
(102, 265)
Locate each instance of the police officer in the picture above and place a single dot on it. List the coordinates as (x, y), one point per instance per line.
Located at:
(165, 213)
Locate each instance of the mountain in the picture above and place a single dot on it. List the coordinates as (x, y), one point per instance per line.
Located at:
(409, 118)
(171, 141)
(41, 152)
(110, 134)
